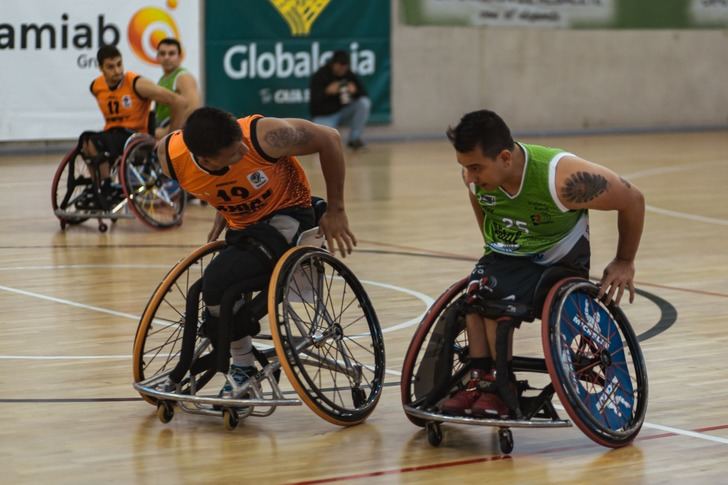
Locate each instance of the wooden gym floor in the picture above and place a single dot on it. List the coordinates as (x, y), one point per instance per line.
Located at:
(70, 303)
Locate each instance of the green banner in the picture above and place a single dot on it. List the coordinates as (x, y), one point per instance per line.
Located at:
(569, 14)
(261, 54)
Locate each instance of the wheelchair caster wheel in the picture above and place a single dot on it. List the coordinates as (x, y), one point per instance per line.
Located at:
(434, 433)
(358, 396)
(505, 439)
(230, 418)
(103, 227)
(165, 411)
(63, 225)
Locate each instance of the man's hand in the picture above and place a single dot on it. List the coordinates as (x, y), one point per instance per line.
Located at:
(618, 275)
(479, 283)
(334, 225)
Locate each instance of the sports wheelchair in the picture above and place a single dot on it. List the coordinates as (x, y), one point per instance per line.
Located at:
(324, 334)
(591, 355)
(139, 189)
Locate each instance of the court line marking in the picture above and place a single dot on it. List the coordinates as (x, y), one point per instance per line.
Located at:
(427, 300)
(684, 432)
(669, 429)
(672, 169)
(484, 459)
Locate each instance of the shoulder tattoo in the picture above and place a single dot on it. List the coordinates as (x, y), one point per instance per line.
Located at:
(288, 136)
(582, 187)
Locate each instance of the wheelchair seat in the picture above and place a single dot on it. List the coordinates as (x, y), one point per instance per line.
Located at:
(527, 312)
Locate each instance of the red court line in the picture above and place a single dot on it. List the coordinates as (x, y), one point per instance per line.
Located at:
(484, 459)
(405, 470)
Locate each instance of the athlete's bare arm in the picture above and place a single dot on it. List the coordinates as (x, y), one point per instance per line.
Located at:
(477, 210)
(280, 137)
(219, 224)
(584, 185)
(187, 88)
(177, 104)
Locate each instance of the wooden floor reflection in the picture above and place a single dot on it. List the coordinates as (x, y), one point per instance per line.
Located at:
(70, 303)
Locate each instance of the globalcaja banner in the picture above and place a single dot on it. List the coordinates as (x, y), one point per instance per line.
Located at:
(261, 54)
(48, 57)
(574, 14)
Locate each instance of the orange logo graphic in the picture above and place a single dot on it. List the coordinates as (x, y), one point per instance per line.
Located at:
(147, 27)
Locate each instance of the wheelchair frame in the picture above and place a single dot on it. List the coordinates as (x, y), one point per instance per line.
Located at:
(297, 345)
(125, 171)
(540, 412)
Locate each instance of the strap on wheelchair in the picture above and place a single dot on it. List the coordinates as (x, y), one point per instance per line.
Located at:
(244, 323)
(189, 333)
(262, 239)
(503, 372)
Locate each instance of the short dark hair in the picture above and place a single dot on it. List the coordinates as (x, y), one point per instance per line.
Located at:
(209, 130)
(340, 57)
(107, 52)
(170, 41)
(484, 129)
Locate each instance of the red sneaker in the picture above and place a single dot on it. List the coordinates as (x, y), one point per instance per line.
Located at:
(461, 402)
(490, 405)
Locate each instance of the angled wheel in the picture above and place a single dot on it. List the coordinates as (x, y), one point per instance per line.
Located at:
(69, 186)
(158, 339)
(154, 198)
(595, 363)
(326, 334)
(423, 375)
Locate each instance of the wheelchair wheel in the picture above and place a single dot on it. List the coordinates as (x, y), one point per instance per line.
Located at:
(70, 182)
(327, 335)
(154, 198)
(158, 339)
(595, 363)
(420, 361)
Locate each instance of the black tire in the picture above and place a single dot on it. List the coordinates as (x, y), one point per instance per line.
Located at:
(314, 296)
(154, 198)
(165, 411)
(70, 182)
(595, 363)
(434, 433)
(411, 393)
(158, 338)
(505, 440)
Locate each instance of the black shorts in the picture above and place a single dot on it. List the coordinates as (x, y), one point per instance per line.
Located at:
(111, 141)
(515, 278)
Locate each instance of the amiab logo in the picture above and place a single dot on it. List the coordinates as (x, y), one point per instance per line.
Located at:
(87, 32)
(147, 27)
(300, 15)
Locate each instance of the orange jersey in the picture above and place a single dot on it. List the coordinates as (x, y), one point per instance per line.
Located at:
(122, 106)
(248, 191)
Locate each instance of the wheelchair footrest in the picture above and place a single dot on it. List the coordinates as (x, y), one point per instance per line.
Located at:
(213, 401)
(535, 422)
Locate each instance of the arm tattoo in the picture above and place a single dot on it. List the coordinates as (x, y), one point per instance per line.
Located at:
(287, 137)
(624, 181)
(583, 186)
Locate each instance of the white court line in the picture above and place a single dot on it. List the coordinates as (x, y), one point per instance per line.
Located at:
(692, 434)
(679, 168)
(84, 266)
(685, 215)
(413, 321)
(70, 303)
(670, 429)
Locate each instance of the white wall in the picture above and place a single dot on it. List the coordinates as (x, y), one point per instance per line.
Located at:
(557, 80)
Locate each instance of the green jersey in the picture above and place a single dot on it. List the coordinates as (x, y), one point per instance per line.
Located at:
(162, 112)
(533, 222)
